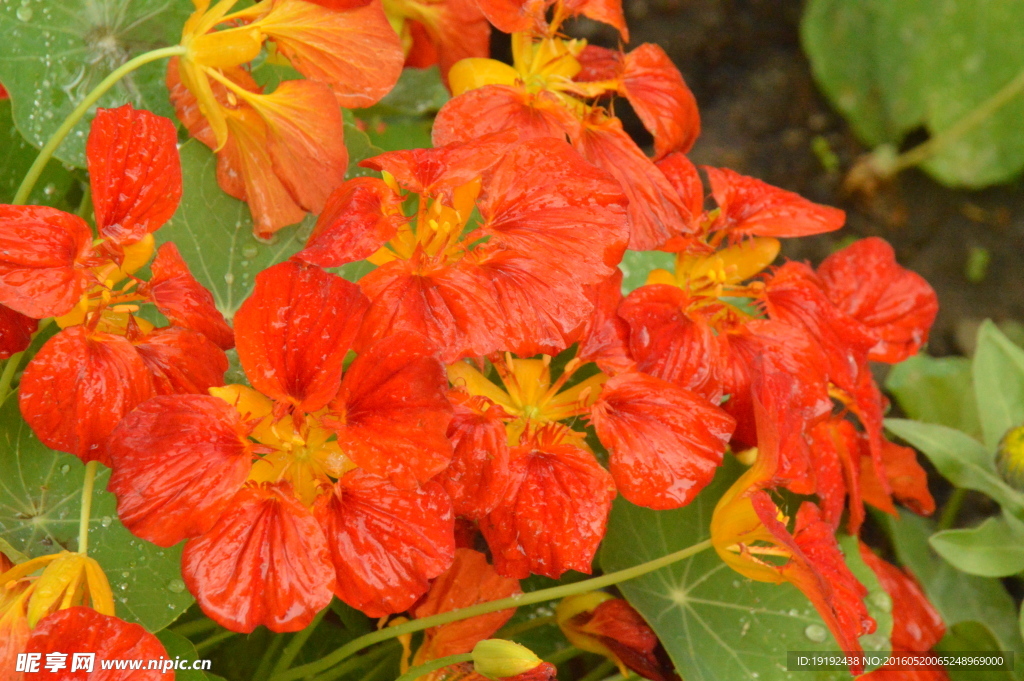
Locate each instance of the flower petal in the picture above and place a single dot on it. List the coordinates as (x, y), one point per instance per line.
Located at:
(751, 207)
(836, 450)
(393, 410)
(917, 625)
(896, 305)
(457, 29)
(386, 543)
(79, 386)
(605, 338)
(665, 442)
(360, 217)
(555, 513)
(134, 171)
(15, 331)
(185, 301)
(683, 176)
(178, 461)
(493, 108)
(264, 561)
(478, 475)
(182, 361)
(83, 630)
(294, 331)
(904, 476)
(354, 51)
(41, 251)
(656, 213)
(660, 97)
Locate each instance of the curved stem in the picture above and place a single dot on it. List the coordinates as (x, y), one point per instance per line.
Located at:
(10, 368)
(514, 630)
(295, 645)
(540, 596)
(427, 667)
(58, 136)
(83, 520)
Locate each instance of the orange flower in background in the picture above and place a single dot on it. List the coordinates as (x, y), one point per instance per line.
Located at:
(498, 255)
(315, 481)
(106, 360)
(283, 152)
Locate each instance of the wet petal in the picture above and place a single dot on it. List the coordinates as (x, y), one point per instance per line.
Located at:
(182, 361)
(493, 108)
(185, 301)
(478, 475)
(660, 97)
(15, 331)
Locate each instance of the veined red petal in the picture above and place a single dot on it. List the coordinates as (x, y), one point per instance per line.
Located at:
(360, 217)
(896, 305)
(904, 476)
(178, 461)
(457, 30)
(618, 628)
(79, 386)
(448, 305)
(441, 170)
(543, 200)
(836, 452)
(665, 442)
(598, 63)
(182, 361)
(185, 301)
(606, 11)
(513, 16)
(478, 475)
(354, 51)
(470, 580)
(134, 171)
(305, 139)
(660, 97)
(917, 625)
(751, 207)
(683, 176)
(386, 544)
(393, 411)
(265, 561)
(672, 345)
(15, 331)
(294, 330)
(41, 251)
(605, 336)
(493, 108)
(554, 515)
(655, 210)
(83, 630)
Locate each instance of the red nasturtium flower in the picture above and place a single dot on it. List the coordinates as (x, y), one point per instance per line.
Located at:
(549, 225)
(312, 482)
(550, 91)
(106, 360)
(281, 151)
(440, 32)
(68, 607)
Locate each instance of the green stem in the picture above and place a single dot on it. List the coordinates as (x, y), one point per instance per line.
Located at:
(199, 626)
(952, 508)
(83, 519)
(599, 672)
(563, 655)
(540, 596)
(51, 144)
(295, 645)
(267, 661)
(522, 627)
(357, 662)
(211, 642)
(923, 151)
(427, 667)
(10, 368)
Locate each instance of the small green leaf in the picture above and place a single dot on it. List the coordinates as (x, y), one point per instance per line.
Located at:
(41, 492)
(936, 390)
(410, 133)
(636, 265)
(993, 549)
(714, 623)
(972, 637)
(957, 596)
(418, 92)
(998, 383)
(18, 155)
(179, 647)
(56, 51)
(960, 459)
(359, 148)
(214, 233)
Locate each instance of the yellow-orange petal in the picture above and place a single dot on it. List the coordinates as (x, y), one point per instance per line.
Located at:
(474, 72)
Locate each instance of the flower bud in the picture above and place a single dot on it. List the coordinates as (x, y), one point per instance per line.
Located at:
(1010, 458)
(496, 658)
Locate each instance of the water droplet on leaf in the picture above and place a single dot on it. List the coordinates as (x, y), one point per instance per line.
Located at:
(24, 14)
(106, 520)
(176, 586)
(816, 633)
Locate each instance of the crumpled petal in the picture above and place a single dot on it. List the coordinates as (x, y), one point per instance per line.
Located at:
(185, 301)
(895, 304)
(79, 386)
(905, 477)
(470, 580)
(134, 172)
(354, 51)
(392, 411)
(478, 475)
(15, 331)
(454, 30)
(41, 254)
(836, 450)
(493, 108)
(656, 213)
(265, 561)
(178, 462)
(917, 626)
(386, 543)
(554, 515)
(294, 331)
(605, 337)
(182, 361)
(660, 97)
(751, 207)
(685, 178)
(83, 630)
(360, 217)
(665, 442)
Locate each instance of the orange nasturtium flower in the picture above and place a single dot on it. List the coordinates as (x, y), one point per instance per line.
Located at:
(106, 360)
(440, 32)
(498, 255)
(281, 151)
(69, 606)
(315, 481)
